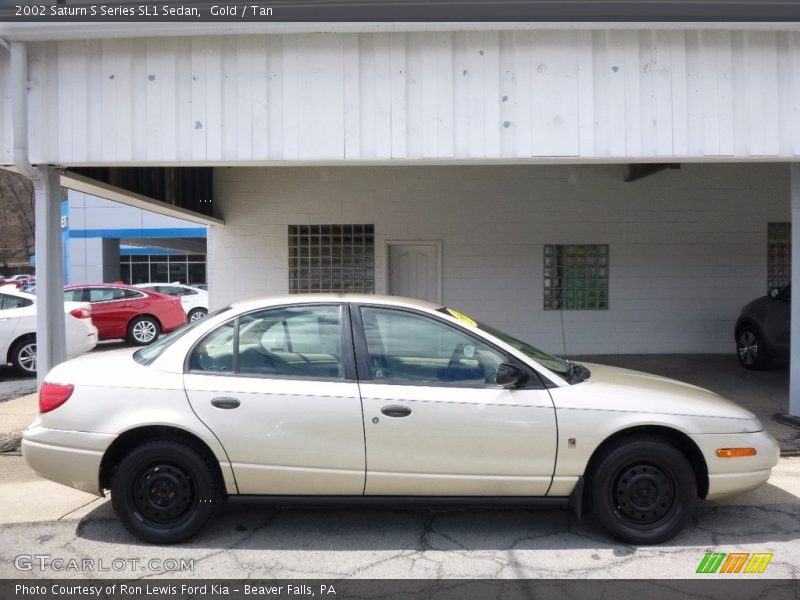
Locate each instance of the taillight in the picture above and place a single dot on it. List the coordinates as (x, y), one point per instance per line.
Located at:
(81, 313)
(53, 395)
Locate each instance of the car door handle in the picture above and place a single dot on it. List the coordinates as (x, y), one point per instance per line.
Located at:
(396, 411)
(225, 402)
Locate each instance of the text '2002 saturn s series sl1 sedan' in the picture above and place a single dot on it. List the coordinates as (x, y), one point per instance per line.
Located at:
(383, 400)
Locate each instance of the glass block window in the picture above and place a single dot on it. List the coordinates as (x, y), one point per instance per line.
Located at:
(331, 258)
(779, 254)
(576, 276)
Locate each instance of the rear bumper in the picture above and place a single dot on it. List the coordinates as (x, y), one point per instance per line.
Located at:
(71, 458)
(82, 344)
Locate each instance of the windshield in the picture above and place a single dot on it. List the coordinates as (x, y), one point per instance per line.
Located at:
(148, 354)
(571, 371)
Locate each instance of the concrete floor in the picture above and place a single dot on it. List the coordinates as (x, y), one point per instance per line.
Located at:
(764, 393)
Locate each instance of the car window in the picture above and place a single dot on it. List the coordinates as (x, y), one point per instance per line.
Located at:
(75, 295)
(303, 342)
(409, 348)
(105, 294)
(8, 302)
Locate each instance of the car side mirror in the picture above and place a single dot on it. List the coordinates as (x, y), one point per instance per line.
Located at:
(774, 293)
(510, 376)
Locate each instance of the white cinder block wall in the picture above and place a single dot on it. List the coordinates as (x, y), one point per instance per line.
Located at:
(687, 247)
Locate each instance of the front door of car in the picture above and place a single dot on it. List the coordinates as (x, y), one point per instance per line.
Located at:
(278, 389)
(10, 314)
(435, 421)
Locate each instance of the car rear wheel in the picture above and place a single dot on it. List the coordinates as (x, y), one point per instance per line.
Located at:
(642, 490)
(165, 491)
(750, 349)
(23, 355)
(143, 330)
(197, 313)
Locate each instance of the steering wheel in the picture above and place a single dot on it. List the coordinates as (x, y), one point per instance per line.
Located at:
(457, 353)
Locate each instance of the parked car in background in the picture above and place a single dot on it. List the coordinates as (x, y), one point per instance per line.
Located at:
(355, 398)
(194, 300)
(762, 329)
(125, 312)
(18, 329)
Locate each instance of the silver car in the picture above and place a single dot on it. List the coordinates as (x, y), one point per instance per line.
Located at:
(371, 399)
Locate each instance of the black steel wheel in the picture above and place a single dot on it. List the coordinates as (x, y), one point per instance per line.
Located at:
(165, 491)
(643, 490)
(750, 349)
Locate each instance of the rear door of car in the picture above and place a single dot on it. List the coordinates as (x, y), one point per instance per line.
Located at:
(278, 389)
(435, 422)
(12, 311)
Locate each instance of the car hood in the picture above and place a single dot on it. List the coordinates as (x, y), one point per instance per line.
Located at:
(625, 389)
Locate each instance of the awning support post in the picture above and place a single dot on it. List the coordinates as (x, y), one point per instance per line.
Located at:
(51, 342)
(794, 329)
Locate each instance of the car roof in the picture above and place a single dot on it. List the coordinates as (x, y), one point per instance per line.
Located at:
(373, 299)
(100, 285)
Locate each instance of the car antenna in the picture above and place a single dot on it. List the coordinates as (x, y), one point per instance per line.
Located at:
(563, 333)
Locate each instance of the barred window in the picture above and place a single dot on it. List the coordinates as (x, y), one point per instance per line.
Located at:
(576, 276)
(331, 258)
(779, 254)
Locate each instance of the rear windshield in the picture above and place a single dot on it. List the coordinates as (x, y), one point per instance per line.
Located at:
(148, 354)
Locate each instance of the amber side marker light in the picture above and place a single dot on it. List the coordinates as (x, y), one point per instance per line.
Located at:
(734, 452)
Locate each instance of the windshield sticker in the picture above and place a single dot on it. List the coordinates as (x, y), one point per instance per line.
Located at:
(462, 317)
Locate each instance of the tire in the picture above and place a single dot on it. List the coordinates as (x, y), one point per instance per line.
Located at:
(196, 313)
(23, 355)
(750, 349)
(165, 491)
(143, 330)
(642, 490)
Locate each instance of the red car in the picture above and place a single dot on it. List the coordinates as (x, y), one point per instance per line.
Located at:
(123, 312)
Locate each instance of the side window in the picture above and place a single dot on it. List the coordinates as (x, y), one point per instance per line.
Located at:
(120, 294)
(8, 302)
(101, 294)
(300, 342)
(74, 295)
(408, 348)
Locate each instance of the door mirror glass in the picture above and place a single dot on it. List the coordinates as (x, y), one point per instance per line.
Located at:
(510, 376)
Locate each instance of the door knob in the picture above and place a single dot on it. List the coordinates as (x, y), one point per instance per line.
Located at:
(396, 411)
(225, 402)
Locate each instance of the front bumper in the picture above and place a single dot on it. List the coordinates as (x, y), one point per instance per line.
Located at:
(68, 457)
(735, 475)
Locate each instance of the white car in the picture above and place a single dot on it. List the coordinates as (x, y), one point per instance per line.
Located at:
(194, 300)
(381, 400)
(18, 329)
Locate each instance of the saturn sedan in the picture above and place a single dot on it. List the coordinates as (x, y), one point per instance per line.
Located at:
(382, 400)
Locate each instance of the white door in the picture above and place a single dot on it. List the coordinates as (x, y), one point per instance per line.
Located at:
(436, 423)
(12, 310)
(282, 401)
(414, 271)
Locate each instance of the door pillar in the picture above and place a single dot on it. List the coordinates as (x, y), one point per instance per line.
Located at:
(51, 345)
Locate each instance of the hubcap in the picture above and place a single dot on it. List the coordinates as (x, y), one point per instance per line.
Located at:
(27, 357)
(163, 494)
(643, 494)
(144, 331)
(748, 348)
(198, 314)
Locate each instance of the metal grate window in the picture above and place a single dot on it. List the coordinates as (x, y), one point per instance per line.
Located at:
(576, 277)
(779, 254)
(331, 258)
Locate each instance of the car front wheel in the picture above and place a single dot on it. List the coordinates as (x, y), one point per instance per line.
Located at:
(143, 330)
(165, 491)
(750, 349)
(642, 490)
